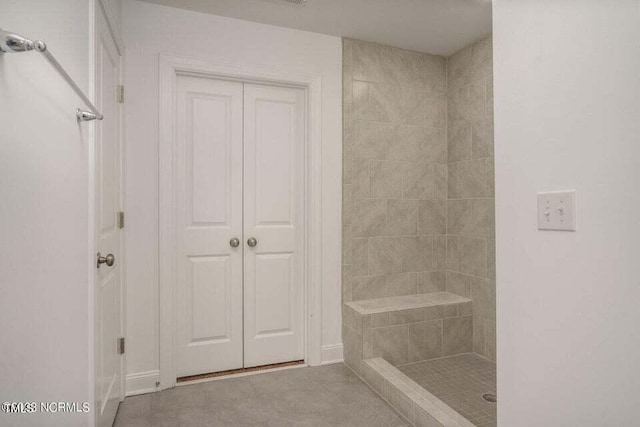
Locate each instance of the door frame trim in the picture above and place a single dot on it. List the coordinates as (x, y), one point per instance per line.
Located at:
(169, 68)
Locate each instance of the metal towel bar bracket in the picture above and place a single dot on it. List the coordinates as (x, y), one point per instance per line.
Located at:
(11, 42)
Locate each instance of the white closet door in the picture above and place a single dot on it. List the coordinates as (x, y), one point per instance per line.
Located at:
(208, 174)
(274, 126)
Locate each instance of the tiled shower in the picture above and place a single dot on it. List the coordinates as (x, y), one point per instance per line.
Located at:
(419, 229)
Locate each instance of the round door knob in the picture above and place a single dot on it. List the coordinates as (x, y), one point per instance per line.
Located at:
(235, 242)
(109, 260)
(252, 241)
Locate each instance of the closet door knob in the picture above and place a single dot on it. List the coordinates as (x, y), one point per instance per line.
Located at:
(235, 242)
(252, 241)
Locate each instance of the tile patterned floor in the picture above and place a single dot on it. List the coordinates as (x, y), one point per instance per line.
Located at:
(322, 396)
(459, 381)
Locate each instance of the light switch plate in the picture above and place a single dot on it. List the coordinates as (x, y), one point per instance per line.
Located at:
(557, 210)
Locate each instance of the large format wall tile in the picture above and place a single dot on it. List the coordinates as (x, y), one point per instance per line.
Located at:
(366, 287)
(431, 281)
(425, 340)
(360, 179)
(491, 259)
(440, 181)
(370, 217)
(434, 149)
(385, 255)
(458, 283)
(440, 252)
(457, 335)
(415, 334)
(352, 347)
(395, 169)
(347, 294)
(360, 256)
(406, 143)
(391, 343)
(432, 217)
(483, 294)
(471, 217)
(467, 255)
(368, 60)
(418, 181)
(371, 139)
(401, 283)
(482, 137)
(418, 188)
(459, 142)
(386, 179)
(402, 217)
(470, 179)
(470, 205)
(417, 253)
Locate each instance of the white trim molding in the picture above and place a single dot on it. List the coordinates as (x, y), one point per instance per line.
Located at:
(142, 382)
(332, 354)
(170, 68)
(112, 20)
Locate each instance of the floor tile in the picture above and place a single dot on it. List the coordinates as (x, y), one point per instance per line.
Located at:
(322, 396)
(459, 381)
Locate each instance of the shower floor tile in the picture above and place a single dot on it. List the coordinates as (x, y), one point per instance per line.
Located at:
(459, 381)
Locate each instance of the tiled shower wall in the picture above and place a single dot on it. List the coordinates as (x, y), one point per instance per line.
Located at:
(395, 171)
(418, 136)
(470, 205)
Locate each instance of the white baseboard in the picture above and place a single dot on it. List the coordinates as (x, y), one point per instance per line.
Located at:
(142, 382)
(331, 354)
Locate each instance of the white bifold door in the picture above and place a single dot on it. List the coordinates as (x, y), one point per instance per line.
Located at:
(239, 237)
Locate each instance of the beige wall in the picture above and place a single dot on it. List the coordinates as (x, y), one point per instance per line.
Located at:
(394, 179)
(471, 204)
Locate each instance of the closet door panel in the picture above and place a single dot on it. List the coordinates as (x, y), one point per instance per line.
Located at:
(208, 214)
(274, 132)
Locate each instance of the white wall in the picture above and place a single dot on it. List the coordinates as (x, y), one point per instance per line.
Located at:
(567, 115)
(45, 318)
(47, 258)
(150, 30)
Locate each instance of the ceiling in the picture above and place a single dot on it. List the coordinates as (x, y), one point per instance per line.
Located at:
(433, 26)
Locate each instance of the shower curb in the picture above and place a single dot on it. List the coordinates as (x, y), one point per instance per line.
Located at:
(417, 405)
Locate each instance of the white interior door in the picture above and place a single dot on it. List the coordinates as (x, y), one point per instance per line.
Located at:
(274, 123)
(108, 360)
(208, 173)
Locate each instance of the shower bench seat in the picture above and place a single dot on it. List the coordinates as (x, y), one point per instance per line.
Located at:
(408, 302)
(384, 333)
(409, 328)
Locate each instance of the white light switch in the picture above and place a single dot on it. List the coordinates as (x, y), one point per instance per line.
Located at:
(557, 210)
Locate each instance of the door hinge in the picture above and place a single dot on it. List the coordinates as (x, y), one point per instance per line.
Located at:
(120, 219)
(121, 345)
(120, 94)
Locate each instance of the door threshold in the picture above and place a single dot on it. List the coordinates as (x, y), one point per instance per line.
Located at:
(242, 372)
